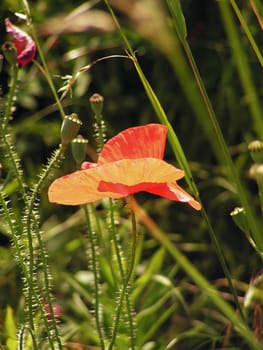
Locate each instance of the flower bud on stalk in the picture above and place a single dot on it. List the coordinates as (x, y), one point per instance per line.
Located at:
(256, 151)
(69, 129)
(240, 219)
(96, 102)
(10, 52)
(78, 148)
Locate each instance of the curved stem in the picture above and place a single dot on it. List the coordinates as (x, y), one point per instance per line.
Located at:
(126, 280)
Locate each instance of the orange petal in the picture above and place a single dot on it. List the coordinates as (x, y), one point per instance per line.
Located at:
(77, 188)
(134, 171)
(146, 141)
(82, 186)
(170, 191)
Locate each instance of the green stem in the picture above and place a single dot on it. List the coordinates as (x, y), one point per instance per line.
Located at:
(126, 281)
(32, 227)
(243, 68)
(179, 153)
(45, 69)
(11, 96)
(122, 273)
(9, 150)
(208, 289)
(94, 262)
(27, 274)
(247, 32)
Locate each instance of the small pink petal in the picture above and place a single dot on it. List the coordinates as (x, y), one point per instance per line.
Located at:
(88, 165)
(26, 47)
(147, 141)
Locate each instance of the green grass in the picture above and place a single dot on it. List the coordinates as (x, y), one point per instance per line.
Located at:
(167, 277)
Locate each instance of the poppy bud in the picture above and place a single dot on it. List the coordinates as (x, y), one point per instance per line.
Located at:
(256, 151)
(78, 148)
(240, 219)
(70, 128)
(10, 52)
(96, 102)
(256, 171)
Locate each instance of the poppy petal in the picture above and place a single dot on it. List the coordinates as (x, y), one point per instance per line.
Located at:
(147, 141)
(77, 188)
(26, 47)
(134, 171)
(82, 186)
(169, 191)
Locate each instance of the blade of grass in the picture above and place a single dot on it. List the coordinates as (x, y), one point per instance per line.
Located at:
(247, 32)
(199, 279)
(221, 151)
(243, 68)
(181, 158)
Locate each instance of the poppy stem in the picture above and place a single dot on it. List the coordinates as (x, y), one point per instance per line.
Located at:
(127, 277)
(94, 262)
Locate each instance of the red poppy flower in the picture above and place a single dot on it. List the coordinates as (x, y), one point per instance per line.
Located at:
(26, 47)
(130, 162)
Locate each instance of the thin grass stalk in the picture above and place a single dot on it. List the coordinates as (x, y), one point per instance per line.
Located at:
(126, 280)
(242, 66)
(247, 32)
(221, 150)
(94, 263)
(179, 153)
(45, 69)
(238, 323)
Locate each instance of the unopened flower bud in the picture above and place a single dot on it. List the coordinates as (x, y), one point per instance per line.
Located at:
(240, 219)
(256, 151)
(78, 148)
(256, 171)
(70, 128)
(96, 102)
(10, 52)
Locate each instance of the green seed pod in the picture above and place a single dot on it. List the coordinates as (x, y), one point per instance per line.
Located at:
(96, 102)
(78, 149)
(240, 219)
(69, 128)
(10, 52)
(256, 151)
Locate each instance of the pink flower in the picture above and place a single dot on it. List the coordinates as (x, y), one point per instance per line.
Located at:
(25, 46)
(130, 162)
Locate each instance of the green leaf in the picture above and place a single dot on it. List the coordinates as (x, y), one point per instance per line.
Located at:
(178, 16)
(10, 329)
